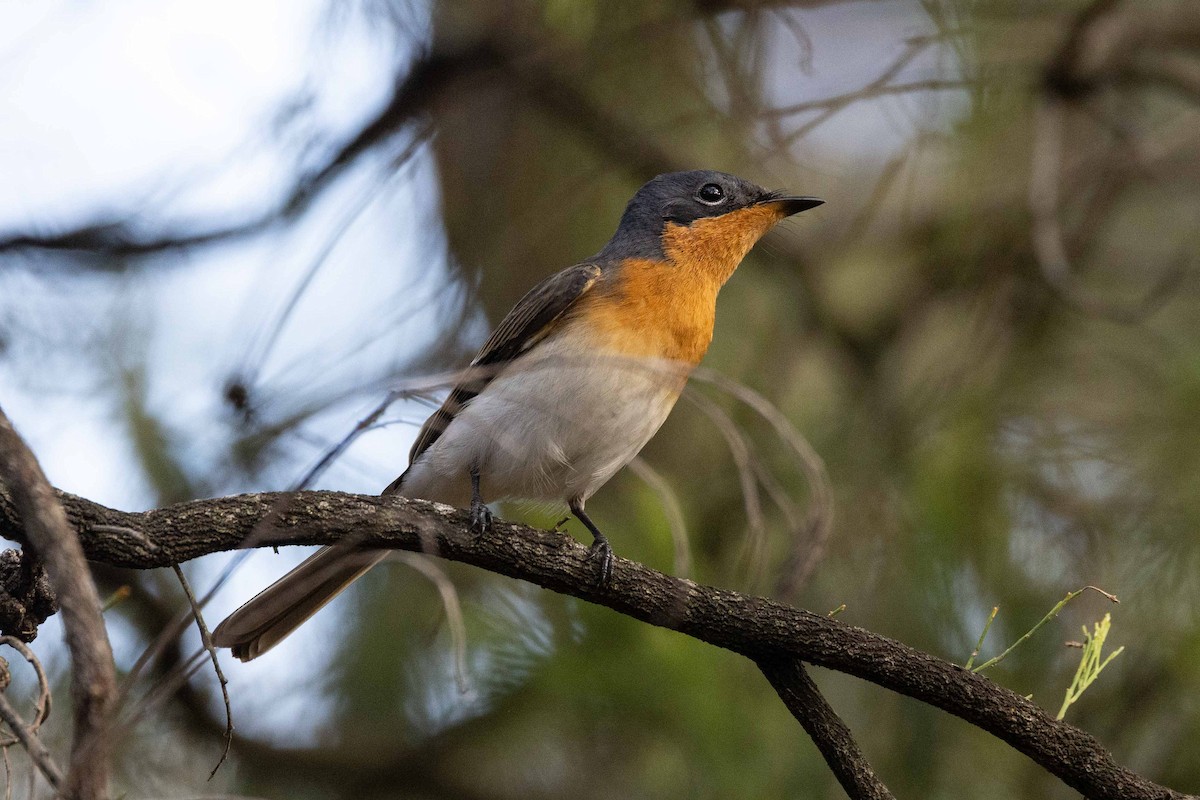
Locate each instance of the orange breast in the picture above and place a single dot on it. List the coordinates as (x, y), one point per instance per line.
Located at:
(666, 309)
(655, 310)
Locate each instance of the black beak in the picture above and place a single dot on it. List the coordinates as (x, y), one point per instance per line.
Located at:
(792, 205)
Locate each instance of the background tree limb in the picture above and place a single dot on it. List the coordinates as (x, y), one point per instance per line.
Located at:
(49, 537)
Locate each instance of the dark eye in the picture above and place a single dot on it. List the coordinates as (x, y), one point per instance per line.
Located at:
(711, 193)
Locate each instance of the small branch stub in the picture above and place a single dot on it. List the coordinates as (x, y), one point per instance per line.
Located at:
(26, 597)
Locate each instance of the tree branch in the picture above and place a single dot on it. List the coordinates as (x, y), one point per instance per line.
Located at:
(46, 532)
(33, 744)
(758, 628)
(802, 697)
(121, 236)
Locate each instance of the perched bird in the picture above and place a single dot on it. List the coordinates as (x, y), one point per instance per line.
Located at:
(569, 387)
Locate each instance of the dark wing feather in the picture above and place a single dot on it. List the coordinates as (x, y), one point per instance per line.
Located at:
(530, 320)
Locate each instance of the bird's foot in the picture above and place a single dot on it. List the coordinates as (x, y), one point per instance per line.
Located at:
(558, 526)
(481, 518)
(602, 551)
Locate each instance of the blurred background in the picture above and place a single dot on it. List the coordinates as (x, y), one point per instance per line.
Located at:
(228, 229)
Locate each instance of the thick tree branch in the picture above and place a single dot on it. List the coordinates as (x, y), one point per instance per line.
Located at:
(758, 628)
(46, 532)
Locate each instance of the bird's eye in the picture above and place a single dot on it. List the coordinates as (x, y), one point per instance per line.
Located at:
(711, 193)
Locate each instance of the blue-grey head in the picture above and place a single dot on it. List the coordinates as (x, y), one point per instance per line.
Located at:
(685, 198)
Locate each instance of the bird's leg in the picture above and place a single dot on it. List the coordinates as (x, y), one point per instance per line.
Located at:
(481, 515)
(558, 525)
(600, 548)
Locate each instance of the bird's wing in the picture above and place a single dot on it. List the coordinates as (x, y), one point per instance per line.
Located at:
(531, 320)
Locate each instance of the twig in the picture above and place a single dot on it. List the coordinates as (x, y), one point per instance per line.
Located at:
(1073, 74)
(743, 459)
(1051, 614)
(166, 688)
(257, 356)
(674, 511)
(32, 743)
(983, 635)
(165, 636)
(792, 513)
(454, 616)
(867, 93)
(206, 641)
(411, 97)
(42, 707)
(327, 458)
(912, 49)
(26, 734)
(819, 520)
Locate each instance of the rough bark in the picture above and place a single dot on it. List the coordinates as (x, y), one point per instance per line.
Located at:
(756, 627)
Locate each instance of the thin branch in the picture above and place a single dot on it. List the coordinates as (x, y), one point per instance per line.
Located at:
(167, 634)
(672, 508)
(796, 689)
(819, 520)
(744, 460)
(870, 92)
(249, 371)
(26, 734)
(44, 702)
(913, 48)
(1049, 240)
(454, 616)
(1082, 65)
(1051, 614)
(206, 641)
(414, 92)
(32, 743)
(756, 627)
(46, 531)
(987, 626)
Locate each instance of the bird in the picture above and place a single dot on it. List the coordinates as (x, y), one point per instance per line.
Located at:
(570, 386)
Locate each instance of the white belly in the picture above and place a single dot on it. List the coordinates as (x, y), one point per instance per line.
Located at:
(552, 428)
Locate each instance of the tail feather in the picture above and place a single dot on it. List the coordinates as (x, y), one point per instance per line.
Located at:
(268, 617)
(283, 606)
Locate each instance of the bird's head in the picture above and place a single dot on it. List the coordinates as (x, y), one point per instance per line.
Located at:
(701, 219)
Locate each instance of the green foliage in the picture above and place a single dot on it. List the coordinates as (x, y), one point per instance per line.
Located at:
(1051, 614)
(1090, 663)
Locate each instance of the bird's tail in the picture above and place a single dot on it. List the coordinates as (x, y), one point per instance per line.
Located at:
(268, 617)
(283, 606)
